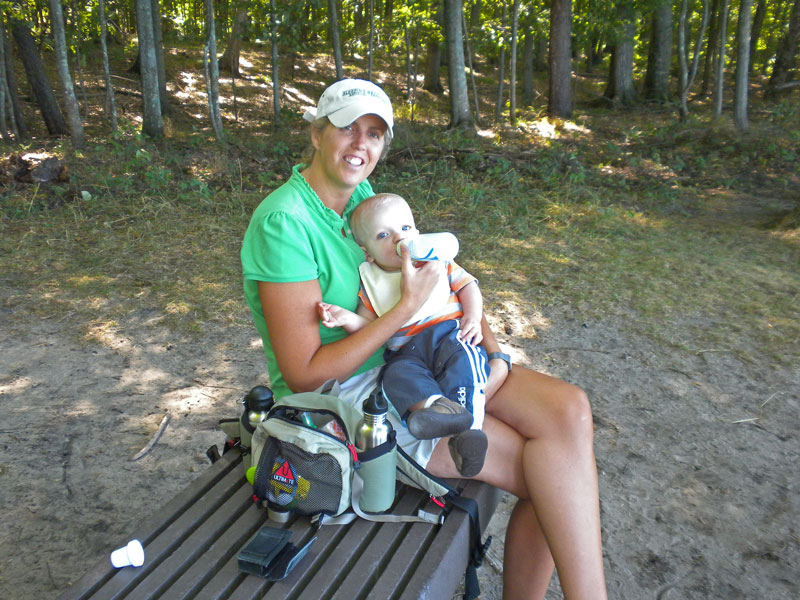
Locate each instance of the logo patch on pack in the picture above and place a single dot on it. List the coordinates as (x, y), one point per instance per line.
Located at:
(285, 484)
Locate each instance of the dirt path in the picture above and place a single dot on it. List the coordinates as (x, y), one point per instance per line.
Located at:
(697, 449)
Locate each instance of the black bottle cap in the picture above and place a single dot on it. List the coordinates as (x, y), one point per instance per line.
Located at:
(259, 399)
(376, 404)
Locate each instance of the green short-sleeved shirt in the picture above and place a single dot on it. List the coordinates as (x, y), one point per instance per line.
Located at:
(294, 237)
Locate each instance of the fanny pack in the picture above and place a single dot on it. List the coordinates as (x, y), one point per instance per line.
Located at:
(301, 459)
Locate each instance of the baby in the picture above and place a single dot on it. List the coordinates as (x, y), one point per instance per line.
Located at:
(435, 372)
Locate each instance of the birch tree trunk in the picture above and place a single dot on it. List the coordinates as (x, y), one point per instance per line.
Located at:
(70, 100)
(111, 102)
(211, 67)
(334, 29)
(687, 78)
(501, 75)
(560, 95)
(460, 115)
(152, 122)
(276, 80)
(371, 38)
(742, 64)
(719, 80)
(512, 67)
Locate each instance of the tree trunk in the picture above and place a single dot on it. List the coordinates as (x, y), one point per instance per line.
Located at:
(501, 75)
(660, 55)
(688, 76)
(711, 47)
(742, 64)
(786, 57)
(433, 78)
(527, 69)
(211, 68)
(70, 100)
(333, 22)
(512, 67)
(276, 80)
(152, 122)
(620, 88)
(719, 80)
(158, 46)
(371, 38)
(755, 31)
(560, 94)
(111, 102)
(37, 78)
(460, 114)
(12, 93)
(471, 69)
(230, 58)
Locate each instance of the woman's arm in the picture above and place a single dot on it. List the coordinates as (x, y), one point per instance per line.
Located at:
(290, 311)
(498, 367)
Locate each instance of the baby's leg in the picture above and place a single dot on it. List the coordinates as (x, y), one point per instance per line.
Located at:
(462, 371)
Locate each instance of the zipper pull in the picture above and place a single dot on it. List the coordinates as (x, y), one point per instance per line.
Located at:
(354, 453)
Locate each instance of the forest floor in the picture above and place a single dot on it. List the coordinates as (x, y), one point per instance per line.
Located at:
(675, 309)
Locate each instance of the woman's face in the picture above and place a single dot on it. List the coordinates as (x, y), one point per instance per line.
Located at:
(349, 154)
(383, 227)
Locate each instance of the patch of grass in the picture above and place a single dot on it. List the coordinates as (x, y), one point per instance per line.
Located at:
(681, 230)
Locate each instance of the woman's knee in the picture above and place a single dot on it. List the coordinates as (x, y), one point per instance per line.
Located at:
(572, 414)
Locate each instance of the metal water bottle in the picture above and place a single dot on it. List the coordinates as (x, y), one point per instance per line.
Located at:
(257, 403)
(373, 430)
(377, 470)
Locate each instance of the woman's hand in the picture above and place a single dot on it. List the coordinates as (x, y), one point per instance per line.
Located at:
(419, 280)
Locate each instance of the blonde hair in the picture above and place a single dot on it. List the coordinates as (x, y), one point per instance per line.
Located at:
(367, 207)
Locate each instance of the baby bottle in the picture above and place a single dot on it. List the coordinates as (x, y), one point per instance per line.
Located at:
(431, 246)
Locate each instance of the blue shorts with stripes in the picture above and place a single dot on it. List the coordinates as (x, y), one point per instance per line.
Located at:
(436, 362)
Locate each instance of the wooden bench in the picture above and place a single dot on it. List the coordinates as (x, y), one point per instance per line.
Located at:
(192, 542)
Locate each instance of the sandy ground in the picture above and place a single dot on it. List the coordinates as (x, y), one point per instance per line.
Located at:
(697, 449)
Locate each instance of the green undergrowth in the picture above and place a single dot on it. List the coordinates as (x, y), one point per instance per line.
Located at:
(683, 231)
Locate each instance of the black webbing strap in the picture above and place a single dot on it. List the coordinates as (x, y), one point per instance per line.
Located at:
(477, 549)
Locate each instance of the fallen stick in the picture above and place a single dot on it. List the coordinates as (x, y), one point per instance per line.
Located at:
(152, 442)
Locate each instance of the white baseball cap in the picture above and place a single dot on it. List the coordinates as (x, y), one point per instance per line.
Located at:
(348, 99)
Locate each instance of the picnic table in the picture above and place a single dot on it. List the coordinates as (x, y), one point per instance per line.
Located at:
(191, 546)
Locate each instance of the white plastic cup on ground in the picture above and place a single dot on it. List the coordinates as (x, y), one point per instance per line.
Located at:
(431, 246)
(131, 555)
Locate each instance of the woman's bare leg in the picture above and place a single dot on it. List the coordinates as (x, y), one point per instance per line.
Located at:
(559, 471)
(527, 564)
(540, 448)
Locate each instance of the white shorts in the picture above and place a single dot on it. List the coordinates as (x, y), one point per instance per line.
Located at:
(356, 389)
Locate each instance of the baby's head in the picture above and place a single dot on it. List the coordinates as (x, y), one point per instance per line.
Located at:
(378, 224)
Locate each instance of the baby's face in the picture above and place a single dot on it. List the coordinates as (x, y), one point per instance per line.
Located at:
(383, 229)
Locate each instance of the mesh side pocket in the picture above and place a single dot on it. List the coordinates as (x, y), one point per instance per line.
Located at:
(290, 478)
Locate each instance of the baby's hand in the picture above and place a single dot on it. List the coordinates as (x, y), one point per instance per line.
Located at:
(332, 315)
(471, 331)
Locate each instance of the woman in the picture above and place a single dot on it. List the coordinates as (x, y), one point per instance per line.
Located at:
(299, 251)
